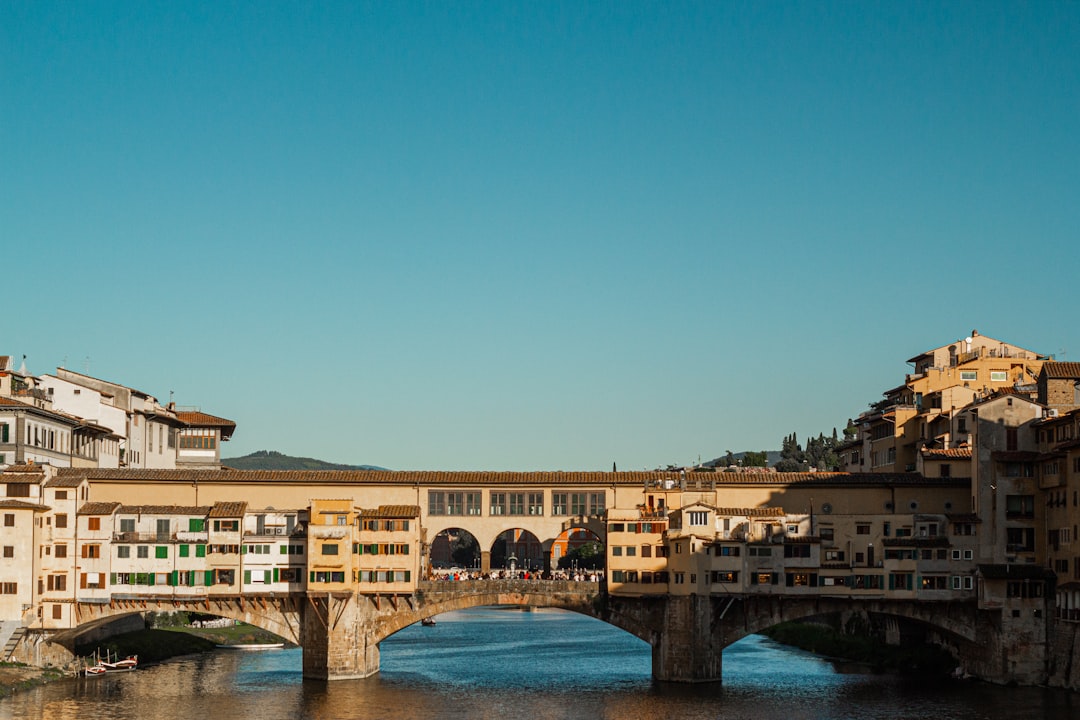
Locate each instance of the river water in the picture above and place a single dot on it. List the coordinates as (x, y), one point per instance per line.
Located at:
(496, 664)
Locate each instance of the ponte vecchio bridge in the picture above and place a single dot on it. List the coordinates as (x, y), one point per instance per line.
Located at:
(338, 561)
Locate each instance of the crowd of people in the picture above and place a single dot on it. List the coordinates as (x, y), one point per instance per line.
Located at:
(575, 575)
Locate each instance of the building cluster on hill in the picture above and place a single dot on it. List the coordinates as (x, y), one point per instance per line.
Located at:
(74, 420)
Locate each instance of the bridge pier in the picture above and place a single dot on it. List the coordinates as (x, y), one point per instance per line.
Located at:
(336, 639)
(690, 645)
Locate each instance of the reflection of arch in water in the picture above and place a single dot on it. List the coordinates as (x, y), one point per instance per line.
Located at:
(524, 548)
(454, 547)
(571, 539)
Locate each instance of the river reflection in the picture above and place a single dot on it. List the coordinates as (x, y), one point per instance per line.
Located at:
(499, 664)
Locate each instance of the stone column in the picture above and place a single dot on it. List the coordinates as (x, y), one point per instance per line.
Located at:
(485, 561)
(689, 649)
(337, 639)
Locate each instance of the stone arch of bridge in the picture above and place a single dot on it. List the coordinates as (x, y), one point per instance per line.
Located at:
(955, 621)
(279, 615)
(582, 598)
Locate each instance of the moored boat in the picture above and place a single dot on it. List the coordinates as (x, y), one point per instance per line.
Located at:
(101, 667)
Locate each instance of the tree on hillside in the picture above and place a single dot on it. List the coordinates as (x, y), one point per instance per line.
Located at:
(791, 456)
(755, 459)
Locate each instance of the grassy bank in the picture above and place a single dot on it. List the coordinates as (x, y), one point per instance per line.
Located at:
(171, 639)
(16, 676)
(875, 654)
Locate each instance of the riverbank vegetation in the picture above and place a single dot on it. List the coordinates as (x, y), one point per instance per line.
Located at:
(172, 634)
(865, 649)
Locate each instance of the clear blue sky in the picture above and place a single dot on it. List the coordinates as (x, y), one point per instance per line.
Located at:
(521, 236)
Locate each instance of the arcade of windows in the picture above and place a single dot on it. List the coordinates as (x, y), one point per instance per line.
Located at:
(470, 502)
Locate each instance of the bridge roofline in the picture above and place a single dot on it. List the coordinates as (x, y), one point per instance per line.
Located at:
(659, 480)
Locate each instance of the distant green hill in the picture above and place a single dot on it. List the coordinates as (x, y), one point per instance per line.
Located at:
(270, 460)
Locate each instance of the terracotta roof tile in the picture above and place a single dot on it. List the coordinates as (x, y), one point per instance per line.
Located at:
(963, 517)
(228, 509)
(30, 467)
(64, 482)
(98, 508)
(1064, 370)
(392, 511)
(960, 453)
(162, 510)
(9, 504)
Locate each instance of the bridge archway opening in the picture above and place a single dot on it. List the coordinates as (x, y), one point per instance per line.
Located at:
(517, 549)
(454, 547)
(577, 547)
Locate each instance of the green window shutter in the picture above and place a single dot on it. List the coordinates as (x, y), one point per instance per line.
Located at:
(408, 576)
(892, 582)
(312, 576)
(150, 578)
(112, 578)
(209, 576)
(247, 577)
(243, 549)
(161, 552)
(174, 578)
(284, 549)
(184, 550)
(200, 551)
(275, 575)
(405, 550)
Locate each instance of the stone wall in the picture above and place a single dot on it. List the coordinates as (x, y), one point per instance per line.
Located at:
(1064, 661)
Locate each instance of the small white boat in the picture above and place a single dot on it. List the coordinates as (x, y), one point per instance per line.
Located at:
(101, 667)
(255, 646)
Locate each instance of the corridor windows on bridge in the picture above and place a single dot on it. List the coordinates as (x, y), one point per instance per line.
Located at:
(579, 504)
(559, 504)
(536, 503)
(517, 503)
(441, 502)
(698, 518)
(498, 504)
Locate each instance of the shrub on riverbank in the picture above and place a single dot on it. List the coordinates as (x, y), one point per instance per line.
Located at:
(880, 657)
